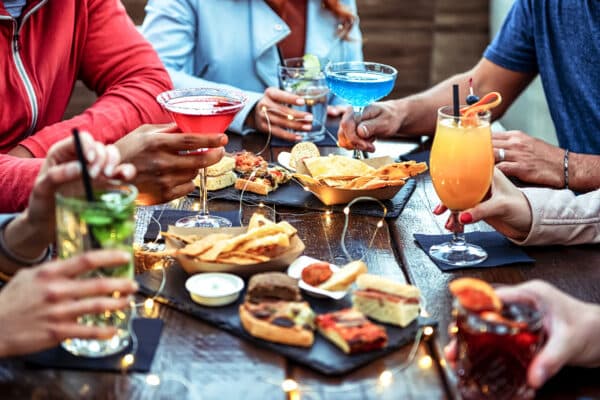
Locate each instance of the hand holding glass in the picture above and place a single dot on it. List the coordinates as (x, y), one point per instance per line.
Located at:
(461, 167)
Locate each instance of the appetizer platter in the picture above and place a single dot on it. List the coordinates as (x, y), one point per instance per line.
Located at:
(333, 335)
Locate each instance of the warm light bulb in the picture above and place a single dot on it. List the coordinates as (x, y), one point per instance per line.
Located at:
(127, 361)
(386, 378)
(428, 331)
(380, 224)
(454, 329)
(346, 210)
(261, 204)
(152, 380)
(289, 385)
(148, 305)
(425, 362)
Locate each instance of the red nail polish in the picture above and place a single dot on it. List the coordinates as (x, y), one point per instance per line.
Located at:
(437, 209)
(466, 218)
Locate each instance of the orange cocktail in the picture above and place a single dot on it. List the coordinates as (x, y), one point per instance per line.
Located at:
(462, 162)
(461, 166)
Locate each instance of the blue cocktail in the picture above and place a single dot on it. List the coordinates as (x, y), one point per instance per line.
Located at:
(360, 84)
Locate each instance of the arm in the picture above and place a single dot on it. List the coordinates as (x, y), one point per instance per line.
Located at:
(561, 217)
(416, 115)
(17, 176)
(170, 26)
(119, 65)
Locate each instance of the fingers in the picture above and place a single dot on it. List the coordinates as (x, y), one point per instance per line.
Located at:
(440, 209)
(335, 111)
(174, 143)
(69, 311)
(550, 359)
(451, 352)
(125, 171)
(66, 289)
(275, 95)
(83, 263)
(47, 182)
(68, 330)
(348, 137)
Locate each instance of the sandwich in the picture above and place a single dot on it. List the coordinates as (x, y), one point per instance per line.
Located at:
(385, 300)
(344, 277)
(263, 182)
(273, 310)
(219, 175)
(351, 331)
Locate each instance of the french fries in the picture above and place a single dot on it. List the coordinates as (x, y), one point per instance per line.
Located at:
(263, 240)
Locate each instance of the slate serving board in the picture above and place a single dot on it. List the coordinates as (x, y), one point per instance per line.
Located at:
(323, 356)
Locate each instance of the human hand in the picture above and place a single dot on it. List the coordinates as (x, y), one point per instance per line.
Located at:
(162, 173)
(529, 159)
(39, 306)
(281, 117)
(335, 111)
(60, 167)
(506, 209)
(571, 328)
(379, 120)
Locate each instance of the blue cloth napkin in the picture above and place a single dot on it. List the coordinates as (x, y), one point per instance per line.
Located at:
(169, 217)
(500, 250)
(147, 331)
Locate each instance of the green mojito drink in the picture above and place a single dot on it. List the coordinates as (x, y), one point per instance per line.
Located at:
(107, 223)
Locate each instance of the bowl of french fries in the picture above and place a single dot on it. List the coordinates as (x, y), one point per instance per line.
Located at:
(261, 246)
(336, 179)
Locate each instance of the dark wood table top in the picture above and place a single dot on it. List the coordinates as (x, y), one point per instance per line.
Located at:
(196, 360)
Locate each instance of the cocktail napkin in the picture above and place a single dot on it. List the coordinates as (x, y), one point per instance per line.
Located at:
(500, 250)
(147, 331)
(161, 219)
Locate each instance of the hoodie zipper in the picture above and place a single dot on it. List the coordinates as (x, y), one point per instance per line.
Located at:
(21, 68)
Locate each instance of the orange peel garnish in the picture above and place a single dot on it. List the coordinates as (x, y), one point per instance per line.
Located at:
(486, 103)
(475, 295)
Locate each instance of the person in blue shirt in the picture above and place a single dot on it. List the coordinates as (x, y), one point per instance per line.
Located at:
(557, 39)
(233, 43)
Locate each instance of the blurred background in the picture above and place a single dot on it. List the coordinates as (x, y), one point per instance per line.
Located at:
(427, 41)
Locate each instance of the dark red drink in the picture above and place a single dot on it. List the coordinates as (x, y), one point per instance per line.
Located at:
(495, 350)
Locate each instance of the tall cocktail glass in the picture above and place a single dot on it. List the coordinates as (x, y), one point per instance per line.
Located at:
(360, 83)
(309, 83)
(108, 223)
(461, 167)
(202, 111)
(494, 351)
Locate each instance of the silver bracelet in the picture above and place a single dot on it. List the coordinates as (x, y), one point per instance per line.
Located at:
(566, 168)
(15, 258)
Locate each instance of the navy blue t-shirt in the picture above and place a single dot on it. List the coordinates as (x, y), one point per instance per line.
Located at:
(560, 40)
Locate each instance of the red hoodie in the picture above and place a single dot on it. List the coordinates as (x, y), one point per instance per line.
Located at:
(54, 43)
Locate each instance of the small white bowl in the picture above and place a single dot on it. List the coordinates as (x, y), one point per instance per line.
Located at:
(295, 271)
(214, 289)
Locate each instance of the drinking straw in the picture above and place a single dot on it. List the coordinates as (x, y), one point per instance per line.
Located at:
(455, 102)
(280, 55)
(85, 176)
(87, 183)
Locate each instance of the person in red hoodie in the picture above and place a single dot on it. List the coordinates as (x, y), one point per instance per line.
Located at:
(49, 45)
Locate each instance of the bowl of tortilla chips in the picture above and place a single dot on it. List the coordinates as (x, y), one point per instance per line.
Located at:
(261, 246)
(336, 179)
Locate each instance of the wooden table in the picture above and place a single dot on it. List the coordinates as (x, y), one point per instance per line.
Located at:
(196, 360)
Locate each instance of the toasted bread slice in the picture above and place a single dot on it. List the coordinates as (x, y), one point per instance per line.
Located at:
(345, 276)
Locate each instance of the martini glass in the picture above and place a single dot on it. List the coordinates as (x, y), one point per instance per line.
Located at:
(360, 83)
(202, 111)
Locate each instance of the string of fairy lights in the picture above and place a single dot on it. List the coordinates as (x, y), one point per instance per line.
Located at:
(291, 388)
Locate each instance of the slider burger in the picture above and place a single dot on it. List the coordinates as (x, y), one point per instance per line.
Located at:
(273, 310)
(219, 175)
(385, 300)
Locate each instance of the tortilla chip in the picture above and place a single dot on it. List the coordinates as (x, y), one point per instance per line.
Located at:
(336, 166)
(400, 170)
(200, 246)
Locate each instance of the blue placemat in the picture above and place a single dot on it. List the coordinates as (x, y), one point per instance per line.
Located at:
(323, 356)
(500, 250)
(293, 195)
(147, 331)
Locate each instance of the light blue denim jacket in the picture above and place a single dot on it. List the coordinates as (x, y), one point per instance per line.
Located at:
(233, 43)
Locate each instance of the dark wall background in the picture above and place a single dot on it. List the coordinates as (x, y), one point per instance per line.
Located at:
(426, 40)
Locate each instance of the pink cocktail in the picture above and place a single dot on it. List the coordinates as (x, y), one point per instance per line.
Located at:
(203, 110)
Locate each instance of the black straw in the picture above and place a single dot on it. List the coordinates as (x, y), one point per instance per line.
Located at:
(280, 55)
(85, 176)
(455, 102)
